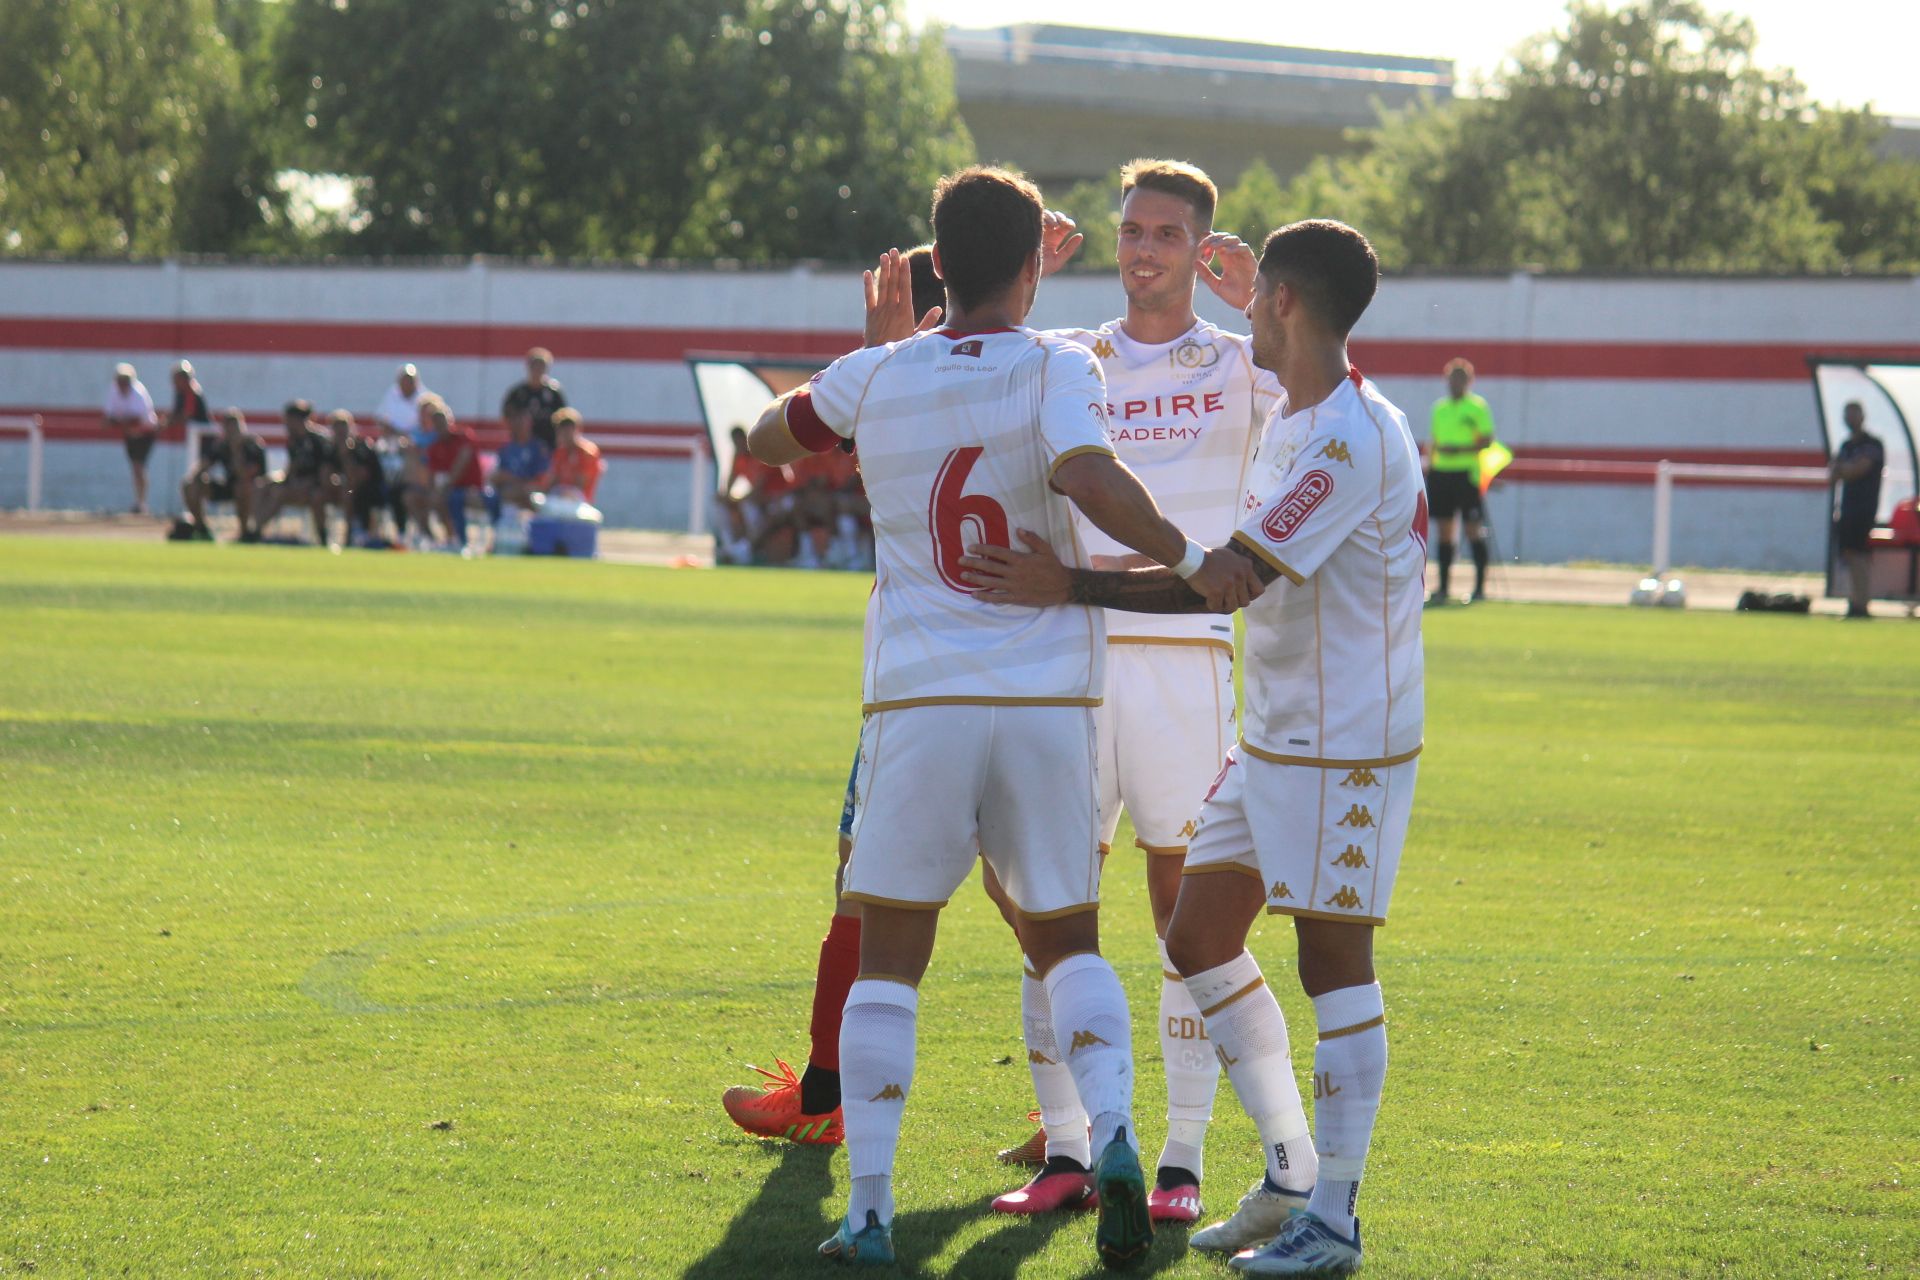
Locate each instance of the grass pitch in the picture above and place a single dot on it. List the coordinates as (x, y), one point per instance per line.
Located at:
(403, 916)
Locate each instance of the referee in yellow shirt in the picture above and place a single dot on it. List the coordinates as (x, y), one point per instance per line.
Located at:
(1462, 426)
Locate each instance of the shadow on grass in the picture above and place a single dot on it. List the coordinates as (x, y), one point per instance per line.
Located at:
(779, 1231)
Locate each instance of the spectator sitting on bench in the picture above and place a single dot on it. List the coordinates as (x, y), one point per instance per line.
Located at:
(363, 488)
(313, 472)
(577, 465)
(454, 475)
(519, 466)
(227, 469)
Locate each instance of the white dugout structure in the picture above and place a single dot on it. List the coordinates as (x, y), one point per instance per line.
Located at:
(1593, 381)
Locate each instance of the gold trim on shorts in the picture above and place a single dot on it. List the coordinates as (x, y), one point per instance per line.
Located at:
(1191, 870)
(1321, 762)
(1306, 914)
(902, 904)
(966, 700)
(1185, 642)
(1165, 849)
(1057, 914)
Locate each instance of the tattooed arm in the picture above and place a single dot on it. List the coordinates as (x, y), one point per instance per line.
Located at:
(1037, 578)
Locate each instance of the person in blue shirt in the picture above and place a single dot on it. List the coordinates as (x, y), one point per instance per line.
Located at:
(519, 465)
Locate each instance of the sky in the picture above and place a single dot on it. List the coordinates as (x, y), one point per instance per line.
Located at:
(1847, 52)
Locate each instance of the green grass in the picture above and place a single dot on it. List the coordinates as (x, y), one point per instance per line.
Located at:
(304, 858)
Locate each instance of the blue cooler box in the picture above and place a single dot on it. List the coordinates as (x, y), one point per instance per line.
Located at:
(547, 537)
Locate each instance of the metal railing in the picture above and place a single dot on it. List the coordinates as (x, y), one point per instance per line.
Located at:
(36, 453)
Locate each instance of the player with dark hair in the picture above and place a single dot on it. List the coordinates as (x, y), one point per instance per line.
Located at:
(362, 488)
(965, 753)
(1855, 471)
(226, 471)
(1462, 425)
(1308, 815)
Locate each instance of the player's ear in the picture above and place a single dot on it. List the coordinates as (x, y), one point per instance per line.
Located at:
(939, 272)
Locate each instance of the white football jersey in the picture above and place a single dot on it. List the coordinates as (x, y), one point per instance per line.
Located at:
(1334, 671)
(1185, 416)
(959, 436)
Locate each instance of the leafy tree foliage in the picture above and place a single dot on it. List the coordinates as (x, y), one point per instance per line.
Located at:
(105, 109)
(664, 128)
(1642, 138)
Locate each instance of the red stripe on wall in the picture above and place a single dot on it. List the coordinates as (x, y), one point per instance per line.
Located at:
(406, 341)
(1638, 361)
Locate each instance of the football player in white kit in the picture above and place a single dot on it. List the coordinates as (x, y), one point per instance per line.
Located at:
(979, 732)
(1309, 814)
(1186, 405)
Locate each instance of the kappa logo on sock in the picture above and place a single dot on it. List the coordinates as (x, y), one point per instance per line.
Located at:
(1323, 1085)
(892, 1093)
(1085, 1040)
(1040, 1059)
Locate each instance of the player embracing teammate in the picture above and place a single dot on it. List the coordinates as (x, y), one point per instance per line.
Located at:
(979, 734)
(1309, 813)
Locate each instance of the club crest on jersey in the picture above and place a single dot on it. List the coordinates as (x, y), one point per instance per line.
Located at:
(1285, 520)
(1194, 355)
(971, 347)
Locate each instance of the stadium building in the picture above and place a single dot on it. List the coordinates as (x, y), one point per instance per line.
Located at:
(1070, 104)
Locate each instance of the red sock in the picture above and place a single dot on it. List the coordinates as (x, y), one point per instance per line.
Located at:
(839, 966)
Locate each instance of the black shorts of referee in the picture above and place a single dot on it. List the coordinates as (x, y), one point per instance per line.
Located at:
(1453, 493)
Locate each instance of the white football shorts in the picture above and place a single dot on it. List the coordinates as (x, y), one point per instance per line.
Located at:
(1324, 843)
(1014, 783)
(1164, 728)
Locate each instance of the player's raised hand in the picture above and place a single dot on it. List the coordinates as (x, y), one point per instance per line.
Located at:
(889, 293)
(1228, 265)
(1033, 577)
(1228, 580)
(1060, 239)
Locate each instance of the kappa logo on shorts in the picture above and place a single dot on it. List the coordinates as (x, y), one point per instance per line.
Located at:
(1190, 830)
(1360, 778)
(1285, 519)
(1353, 857)
(1357, 817)
(1346, 899)
(1279, 890)
(1040, 1059)
(1085, 1040)
(892, 1093)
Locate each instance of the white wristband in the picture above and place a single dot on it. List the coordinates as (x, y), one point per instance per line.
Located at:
(1190, 563)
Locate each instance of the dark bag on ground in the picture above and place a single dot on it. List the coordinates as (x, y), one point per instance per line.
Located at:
(1761, 602)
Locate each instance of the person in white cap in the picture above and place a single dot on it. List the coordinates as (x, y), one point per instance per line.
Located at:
(129, 411)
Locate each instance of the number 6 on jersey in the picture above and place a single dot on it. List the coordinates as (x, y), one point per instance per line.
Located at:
(953, 509)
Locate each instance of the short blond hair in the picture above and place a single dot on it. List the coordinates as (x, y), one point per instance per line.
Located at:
(567, 418)
(541, 354)
(1175, 178)
(1459, 364)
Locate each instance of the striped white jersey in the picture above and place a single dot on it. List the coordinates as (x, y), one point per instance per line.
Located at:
(1186, 417)
(959, 436)
(1334, 670)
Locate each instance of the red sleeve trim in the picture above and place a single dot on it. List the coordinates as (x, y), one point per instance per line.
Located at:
(810, 432)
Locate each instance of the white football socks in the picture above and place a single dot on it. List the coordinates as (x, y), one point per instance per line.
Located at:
(1061, 1114)
(1250, 1033)
(1349, 1068)
(876, 1073)
(1090, 1024)
(1193, 1072)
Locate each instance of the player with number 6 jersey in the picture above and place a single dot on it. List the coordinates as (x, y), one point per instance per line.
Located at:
(978, 732)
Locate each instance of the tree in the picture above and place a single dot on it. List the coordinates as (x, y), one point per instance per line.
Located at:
(104, 108)
(781, 129)
(1642, 138)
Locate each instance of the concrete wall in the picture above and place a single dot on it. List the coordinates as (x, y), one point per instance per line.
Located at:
(1618, 370)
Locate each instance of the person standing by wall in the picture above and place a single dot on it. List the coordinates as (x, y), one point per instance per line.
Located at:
(1462, 425)
(129, 411)
(1855, 470)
